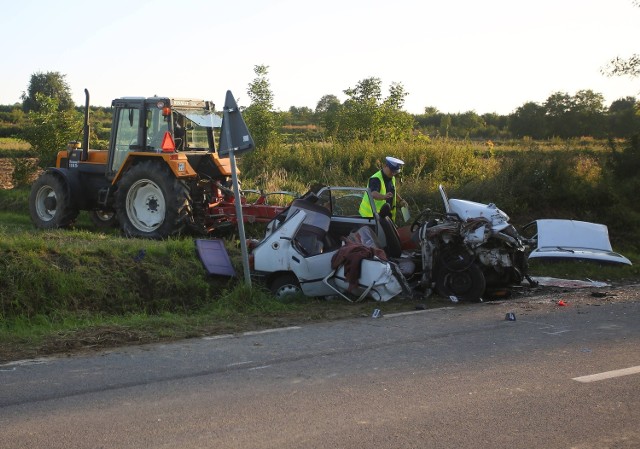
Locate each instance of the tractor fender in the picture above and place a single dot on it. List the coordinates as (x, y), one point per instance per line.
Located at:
(72, 184)
(177, 163)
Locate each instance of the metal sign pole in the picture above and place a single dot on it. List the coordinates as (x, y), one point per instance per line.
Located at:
(238, 201)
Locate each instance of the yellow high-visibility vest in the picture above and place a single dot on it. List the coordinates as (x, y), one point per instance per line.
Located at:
(365, 205)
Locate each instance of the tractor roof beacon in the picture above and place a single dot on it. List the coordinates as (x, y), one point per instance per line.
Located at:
(160, 175)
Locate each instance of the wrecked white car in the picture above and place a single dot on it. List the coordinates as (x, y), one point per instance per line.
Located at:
(316, 247)
(321, 246)
(470, 249)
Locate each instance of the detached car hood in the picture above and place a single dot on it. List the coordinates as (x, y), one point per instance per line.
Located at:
(571, 239)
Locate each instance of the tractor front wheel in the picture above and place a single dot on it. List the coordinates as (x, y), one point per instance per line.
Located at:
(151, 202)
(49, 203)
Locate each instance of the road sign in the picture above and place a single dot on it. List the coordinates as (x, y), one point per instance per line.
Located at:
(234, 134)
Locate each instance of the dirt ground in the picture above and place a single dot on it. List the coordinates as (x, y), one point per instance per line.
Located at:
(6, 172)
(6, 169)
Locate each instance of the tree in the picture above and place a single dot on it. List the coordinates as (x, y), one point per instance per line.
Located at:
(49, 130)
(365, 115)
(445, 125)
(51, 85)
(623, 120)
(326, 112)
(529, 120)
(359, 115)
(326, 103)
(429, 122)
(582, 114)
(395, 123)
(589, 110)
(262, 121)
(620, 66)
(560, 118)
(299, 116)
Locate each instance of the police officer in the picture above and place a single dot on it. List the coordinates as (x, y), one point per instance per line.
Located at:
(383, 190)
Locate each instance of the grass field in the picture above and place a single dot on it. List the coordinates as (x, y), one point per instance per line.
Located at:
(68, 289)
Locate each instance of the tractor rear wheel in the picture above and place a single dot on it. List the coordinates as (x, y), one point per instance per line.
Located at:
(49, 203)
(151, 202)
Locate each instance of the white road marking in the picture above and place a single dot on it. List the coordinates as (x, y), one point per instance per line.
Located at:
(413, 312)
(240, 363)
(218, 337)
(268, 331)
(259, 367)
(608, 374)
(556, 332)
(26, 362)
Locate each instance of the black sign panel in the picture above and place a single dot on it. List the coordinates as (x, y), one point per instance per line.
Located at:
(234, 133)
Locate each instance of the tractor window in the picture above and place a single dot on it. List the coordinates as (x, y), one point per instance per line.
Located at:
(157, 126)
(126, 136)
(193, 127)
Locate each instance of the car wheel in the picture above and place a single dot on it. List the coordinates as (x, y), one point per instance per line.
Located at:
(285, 285)
(465, 285)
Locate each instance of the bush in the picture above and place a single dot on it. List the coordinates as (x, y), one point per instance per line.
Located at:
(24, 170)
(49, 130)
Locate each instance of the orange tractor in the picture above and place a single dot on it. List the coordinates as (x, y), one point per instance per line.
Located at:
(161, 175)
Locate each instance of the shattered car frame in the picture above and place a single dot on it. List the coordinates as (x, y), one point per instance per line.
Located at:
(467, 252)
(301, 245)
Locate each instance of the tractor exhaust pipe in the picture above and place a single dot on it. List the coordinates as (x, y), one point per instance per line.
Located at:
(85, 128)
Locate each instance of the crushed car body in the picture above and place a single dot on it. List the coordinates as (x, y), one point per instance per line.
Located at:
(460, 254)
(304, 251)
(321, 246)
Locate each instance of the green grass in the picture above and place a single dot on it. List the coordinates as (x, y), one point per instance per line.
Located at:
(585, 269)
(11, 143)
(85, 288)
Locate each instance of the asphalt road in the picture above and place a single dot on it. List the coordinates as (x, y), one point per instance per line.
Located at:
(459, 377)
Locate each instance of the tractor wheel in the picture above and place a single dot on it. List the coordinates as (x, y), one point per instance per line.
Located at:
(49, 203)
(151, 202)
(466, 285)
(104, 219)
(285, 285)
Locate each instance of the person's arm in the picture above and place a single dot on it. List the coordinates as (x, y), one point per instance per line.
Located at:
(379, 196)
(401, 200)
(374, 186)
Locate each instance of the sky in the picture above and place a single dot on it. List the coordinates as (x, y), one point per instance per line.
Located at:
(489, 56)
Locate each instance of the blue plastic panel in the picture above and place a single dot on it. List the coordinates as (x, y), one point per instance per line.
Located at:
(214, 257)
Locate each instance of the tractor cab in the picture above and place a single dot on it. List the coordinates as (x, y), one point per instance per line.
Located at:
(160, 125)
